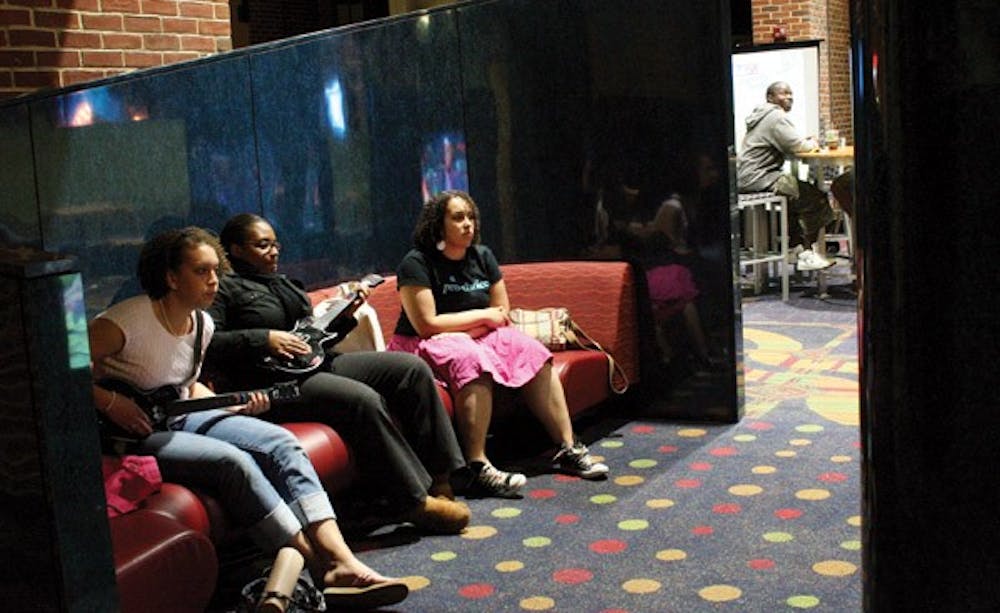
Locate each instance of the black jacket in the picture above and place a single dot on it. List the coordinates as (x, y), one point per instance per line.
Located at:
(246, 307)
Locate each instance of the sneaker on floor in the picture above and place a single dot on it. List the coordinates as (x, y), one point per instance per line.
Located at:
(488, 480)
(810, 260)
(576, 460)
(793, 254)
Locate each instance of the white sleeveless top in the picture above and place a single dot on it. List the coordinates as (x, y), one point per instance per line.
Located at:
(151, 357)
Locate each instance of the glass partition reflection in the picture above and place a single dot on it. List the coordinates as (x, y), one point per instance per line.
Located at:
(18, 206)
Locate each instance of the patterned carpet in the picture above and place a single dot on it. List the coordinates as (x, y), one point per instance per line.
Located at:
(758, 516)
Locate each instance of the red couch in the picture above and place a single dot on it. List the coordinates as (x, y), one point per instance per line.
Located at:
(164, 553)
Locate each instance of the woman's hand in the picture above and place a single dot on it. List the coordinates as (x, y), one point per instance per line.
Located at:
(496, 316)
(285, 344)
(259, 403)
(127, 415)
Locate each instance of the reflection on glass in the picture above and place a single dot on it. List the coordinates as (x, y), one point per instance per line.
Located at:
(443, 165)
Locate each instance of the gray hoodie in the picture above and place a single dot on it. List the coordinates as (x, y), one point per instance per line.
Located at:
(770, 137)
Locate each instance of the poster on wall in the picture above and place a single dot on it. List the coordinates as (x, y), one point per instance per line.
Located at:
(755, 68)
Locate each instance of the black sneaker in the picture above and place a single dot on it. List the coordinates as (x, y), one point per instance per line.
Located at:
(488, 480)
(576, 460)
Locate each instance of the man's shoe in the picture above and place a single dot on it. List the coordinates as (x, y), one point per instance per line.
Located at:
(576, 460)
(810, 260)
(439, 516)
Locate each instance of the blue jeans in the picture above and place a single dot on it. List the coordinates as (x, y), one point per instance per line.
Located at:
(258, 470)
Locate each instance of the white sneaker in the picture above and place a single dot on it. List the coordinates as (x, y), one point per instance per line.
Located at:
(793, 254)
(810, 260)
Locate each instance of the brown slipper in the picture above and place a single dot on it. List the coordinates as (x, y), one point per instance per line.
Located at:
(439, 516)
(371, 596)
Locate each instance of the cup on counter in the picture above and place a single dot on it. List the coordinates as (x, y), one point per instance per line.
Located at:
(832, 139)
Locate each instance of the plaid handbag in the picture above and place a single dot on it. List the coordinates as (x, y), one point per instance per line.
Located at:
(554, 328)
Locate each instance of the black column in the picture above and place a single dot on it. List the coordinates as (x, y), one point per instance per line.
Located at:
(55, 544)
(927, 102)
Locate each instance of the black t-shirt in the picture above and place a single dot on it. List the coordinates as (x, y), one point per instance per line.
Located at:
(457, 285)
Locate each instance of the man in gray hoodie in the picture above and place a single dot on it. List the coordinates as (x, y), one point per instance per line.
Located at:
(770, 139)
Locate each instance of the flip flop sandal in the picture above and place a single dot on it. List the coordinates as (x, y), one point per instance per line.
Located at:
(367, 597)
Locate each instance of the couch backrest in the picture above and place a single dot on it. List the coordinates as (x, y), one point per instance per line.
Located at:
(601, 297)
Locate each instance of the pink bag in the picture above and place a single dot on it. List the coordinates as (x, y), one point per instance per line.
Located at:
(128, 480)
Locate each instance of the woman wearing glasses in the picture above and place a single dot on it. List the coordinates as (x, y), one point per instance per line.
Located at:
(362, 395)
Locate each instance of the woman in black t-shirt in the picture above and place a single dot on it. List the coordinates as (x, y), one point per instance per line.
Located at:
(454, 316)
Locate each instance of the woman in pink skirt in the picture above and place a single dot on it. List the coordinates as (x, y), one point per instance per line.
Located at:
(455, 308)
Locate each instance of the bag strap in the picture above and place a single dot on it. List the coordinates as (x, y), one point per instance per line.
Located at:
(576, 336)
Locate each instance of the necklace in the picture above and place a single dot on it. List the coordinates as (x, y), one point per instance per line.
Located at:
(166, 320)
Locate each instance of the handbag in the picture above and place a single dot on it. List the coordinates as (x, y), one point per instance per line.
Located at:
(554, 328)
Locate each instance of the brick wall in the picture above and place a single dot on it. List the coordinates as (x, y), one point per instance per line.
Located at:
(54, 43)
(828, 20)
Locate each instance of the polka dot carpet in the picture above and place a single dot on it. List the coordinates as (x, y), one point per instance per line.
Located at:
(758, 516)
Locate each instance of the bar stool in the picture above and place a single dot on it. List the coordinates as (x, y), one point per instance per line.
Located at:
(766, 246)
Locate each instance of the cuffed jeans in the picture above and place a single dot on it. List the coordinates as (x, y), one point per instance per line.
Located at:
(258, 470)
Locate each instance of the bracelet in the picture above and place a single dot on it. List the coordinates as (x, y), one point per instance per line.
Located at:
(111, 403)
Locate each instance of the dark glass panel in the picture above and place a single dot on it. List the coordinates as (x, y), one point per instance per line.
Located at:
(354, 129)
(18, 203)
(120, 162)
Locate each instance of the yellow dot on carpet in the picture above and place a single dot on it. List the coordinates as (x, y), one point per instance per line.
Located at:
(786, 454)
(537, 541)
(415, 582)
(812, 494)
(537, 603)
(745, 490)
(633, 524)
(809, 428)
(444, 556)
(800, 442)
(802, 602)
(509, 566)
(603, 499)
(764, 470)
(506, 512)
(720, 593)
(841, 459)
(744, 438)
(597, 458)
(628, 480)
(834, 568)
(692, 432)
(851, 545)
(641, 586)
(854, 520)
(671, 555)
(778, 537)
(642, 463)
(612, 444)
(659, 503)
(478, 532)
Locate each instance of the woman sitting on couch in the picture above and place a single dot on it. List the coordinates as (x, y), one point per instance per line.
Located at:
(454, 316)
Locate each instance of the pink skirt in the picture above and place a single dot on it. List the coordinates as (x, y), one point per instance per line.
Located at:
(671, 288)
(511, 357)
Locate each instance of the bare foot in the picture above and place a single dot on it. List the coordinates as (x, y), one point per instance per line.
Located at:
(352, 573)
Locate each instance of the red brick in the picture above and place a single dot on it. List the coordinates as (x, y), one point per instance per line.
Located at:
(196, 9)
(68, 59)
(71, 77)
(111, 23)
(102, 58)
(180, 26)
(35, 3)
(159, 7)
(13, 17)
(161, 42)
(198, 43)
(180, 56)
(224, 43)
(120, 6)
(57, 20)
(36, 78)
(121, 41)
(32, 38)
(214, 28)
(80, 5)
(80, 40)
(140, 59)
(222, 11)
(17, 59)
(143, 24)
(6, 80)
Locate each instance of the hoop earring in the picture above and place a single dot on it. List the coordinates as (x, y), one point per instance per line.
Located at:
(440, 245)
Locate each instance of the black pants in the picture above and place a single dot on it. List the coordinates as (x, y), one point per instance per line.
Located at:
(386, 407)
